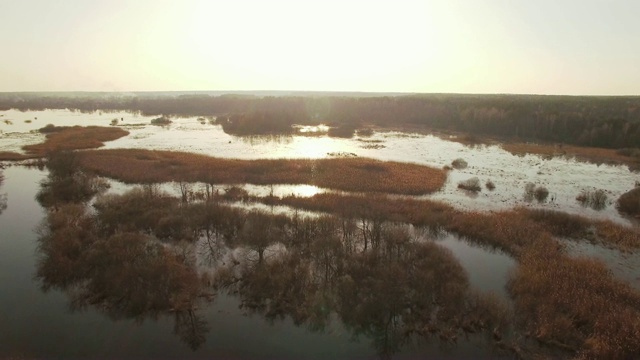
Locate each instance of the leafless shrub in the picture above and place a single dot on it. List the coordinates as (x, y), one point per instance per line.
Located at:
(595, 199)
(531, 191)
(472, 184)
(490, 185)
(162, 121)
(459, 164)
(541, 193)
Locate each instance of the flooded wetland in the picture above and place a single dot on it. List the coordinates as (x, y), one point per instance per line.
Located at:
(125, 235)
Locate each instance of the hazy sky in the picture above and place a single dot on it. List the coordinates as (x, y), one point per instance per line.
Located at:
(464, 46)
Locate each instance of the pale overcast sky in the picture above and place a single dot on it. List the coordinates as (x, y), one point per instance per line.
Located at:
(465, 46)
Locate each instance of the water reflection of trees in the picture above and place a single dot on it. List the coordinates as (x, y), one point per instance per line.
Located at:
(141, 255)
(3, 197)
(124, 274)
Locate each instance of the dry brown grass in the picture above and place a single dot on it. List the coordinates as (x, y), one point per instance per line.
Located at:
(60, 138)
(75, 138)
(605, 232)
(13, 156)
(629, 202)
(576, 305)
(592, 154)
(618, 236)
(367, 175)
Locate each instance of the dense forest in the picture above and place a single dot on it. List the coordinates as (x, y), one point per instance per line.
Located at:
(610, 122)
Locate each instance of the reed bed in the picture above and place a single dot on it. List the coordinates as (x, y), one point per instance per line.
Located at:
(358, 175)
(576, 305)
(621, 237)
(605, 232)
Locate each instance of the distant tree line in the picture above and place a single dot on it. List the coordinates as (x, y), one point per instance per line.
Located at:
(610, 122)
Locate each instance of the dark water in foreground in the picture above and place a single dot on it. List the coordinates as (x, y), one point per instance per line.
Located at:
(36, 323)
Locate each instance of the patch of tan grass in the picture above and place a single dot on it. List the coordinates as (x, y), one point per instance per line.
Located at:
(74, 138)
(592, 154)
(629, 202)
(359, 174)
(13, 156)
(576, 305)
(618, 236)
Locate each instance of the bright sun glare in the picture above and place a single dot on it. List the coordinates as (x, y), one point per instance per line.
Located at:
(319, 45)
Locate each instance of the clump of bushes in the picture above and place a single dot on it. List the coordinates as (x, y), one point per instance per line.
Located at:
(162, 121)
(531, 191)
(629, 202)
(258, 123)
(459, 164)
(472, 184)
(50, 128)
(490, 185)
(596, 199)
(541, 193)
(114, 121)
(364, 132)
(235, 193)
(342, 131)
(631, 152)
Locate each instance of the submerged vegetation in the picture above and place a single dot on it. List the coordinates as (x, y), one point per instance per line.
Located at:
(349, 174)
